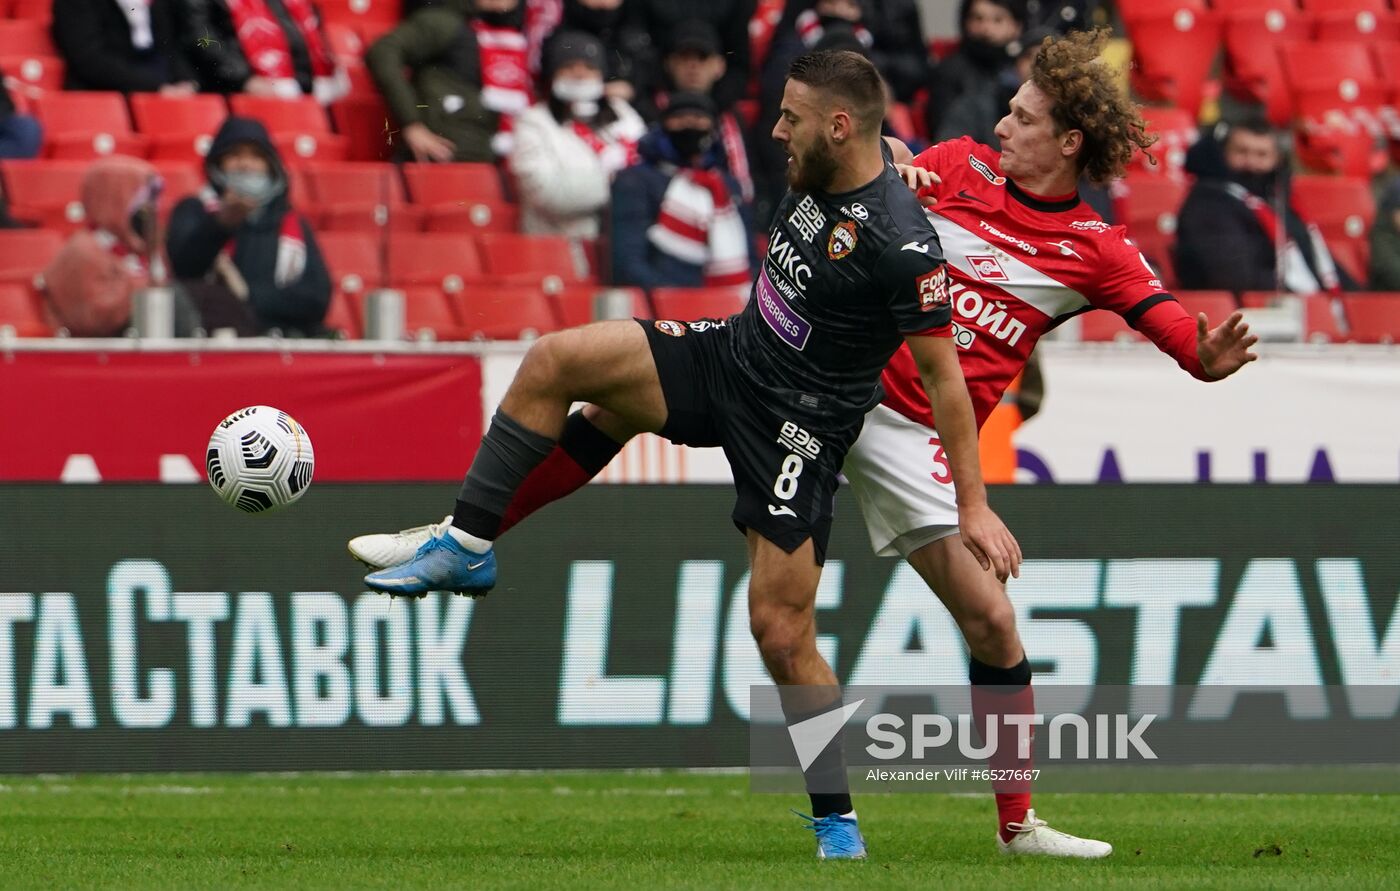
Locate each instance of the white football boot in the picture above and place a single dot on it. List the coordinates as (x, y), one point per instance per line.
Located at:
(385, 549)
(1035, 838)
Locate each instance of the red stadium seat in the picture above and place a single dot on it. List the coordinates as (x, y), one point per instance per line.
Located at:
(25, 37)
(343, 314)
(348, 46)
(87, 125)
(428, 309)
(489, 311)
(364, 123)
(1373, 318)
(32, 69)
(1176, 131)
(182, 179)
(1100, 325)
(1147, 206)
(1217, 305)
(20, 310)
(360, 196)
(687, 304)
(1174, 47)
(473, 216)
(1327, 76)
(441, 260)
(1343, 209)
(573, 306)
(433, 184)
(46, 192)
(178, 128)
(298, 127)
(534, 258)
(1253, 71)
(1321, 319)
(25, 252)
(32, 10)
(369, 18)
(1353, 19)
(353, 258)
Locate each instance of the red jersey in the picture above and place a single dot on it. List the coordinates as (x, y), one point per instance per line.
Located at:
(1020, 264)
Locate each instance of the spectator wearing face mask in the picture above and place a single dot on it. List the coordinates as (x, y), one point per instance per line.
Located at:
(454, 81)
(1238, 229)
(89, 285)
(977, 76)
(629, 67)
(678, 217)
(241, 239)
(569, 146)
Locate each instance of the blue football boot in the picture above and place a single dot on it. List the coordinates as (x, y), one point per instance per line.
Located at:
(440, 564)
(838, 837)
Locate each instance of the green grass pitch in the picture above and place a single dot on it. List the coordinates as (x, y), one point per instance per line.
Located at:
(647, 830)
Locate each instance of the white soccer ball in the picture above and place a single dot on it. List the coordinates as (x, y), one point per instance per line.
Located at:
(259, 459)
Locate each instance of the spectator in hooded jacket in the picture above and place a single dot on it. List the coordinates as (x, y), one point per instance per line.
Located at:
(679, 219)
(980, 74)
(454, 80)
(125, 46)
(1238, 229)
(569, 146)
(90, 283)
(274, 48)
(21, 136)
(243, 233)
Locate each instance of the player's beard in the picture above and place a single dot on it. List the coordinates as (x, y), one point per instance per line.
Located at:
(814, 170)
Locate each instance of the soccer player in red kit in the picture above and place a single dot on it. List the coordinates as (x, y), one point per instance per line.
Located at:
(1024, 254)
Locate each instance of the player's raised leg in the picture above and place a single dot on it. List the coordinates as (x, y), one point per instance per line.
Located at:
(608, 364)
(1001, 685)
(782, 617)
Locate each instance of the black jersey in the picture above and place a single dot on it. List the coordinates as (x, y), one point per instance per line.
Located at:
(845, 277)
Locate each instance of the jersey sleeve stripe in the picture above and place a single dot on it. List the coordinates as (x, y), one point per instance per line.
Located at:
(1132, 315)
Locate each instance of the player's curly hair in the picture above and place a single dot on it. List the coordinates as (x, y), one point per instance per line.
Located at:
(1086, 97)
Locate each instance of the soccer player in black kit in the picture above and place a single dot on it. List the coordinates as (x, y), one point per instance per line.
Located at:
(852, 271)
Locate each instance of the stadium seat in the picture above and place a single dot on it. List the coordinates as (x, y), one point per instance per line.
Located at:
(1365, 20)
(1101, 326)
(1331, 75)
(1343, 209)
(86, 125)
(473, 216)
(1176, 131)
(346, 43)
(182, 179)
(369, 18)
(26, 37)
(343, 314)
(298, 127)
(1147, 206)
(32, 69)
(687, 304)
(20, 310)
(1321, 323)
(360, 196)
(353, 258)
(437, 259)
(427, 310)
(573, 306)
(32, 10)
(1175, 43)
(363, 121)
(47, 193)
(433, 184)
(1253, 71)
(490, 311)
(534, 258)
(1217, 305)
(25, 252)
(1373, 317)
(178, 128)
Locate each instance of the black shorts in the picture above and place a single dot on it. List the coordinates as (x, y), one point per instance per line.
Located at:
(785, 475)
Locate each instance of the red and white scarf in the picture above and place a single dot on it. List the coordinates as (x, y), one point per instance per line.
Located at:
(1294, 274)
(615, 147)
(291, 249)
(505, 78)
(809, 28)
(265, 44)
(699, 224)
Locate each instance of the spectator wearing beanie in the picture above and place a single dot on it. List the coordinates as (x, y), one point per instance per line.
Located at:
(569, 146)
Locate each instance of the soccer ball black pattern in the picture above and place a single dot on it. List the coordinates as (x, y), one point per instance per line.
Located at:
(259, 459)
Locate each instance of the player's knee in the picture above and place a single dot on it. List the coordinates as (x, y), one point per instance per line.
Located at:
(782, 638)
(991, 634)
(545, 363)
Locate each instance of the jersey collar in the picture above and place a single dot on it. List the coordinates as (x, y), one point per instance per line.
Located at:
(1035, 202)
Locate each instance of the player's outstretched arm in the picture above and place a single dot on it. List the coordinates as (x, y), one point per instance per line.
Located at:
(983, 532)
